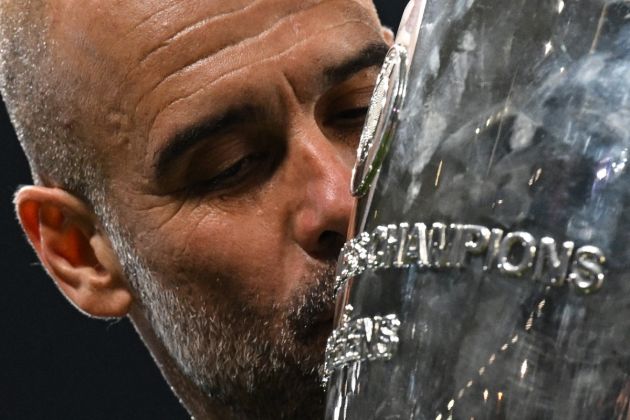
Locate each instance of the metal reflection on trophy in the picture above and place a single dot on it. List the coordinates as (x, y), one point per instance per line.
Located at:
(488, 274)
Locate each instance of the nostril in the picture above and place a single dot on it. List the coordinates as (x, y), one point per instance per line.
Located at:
(330, 244)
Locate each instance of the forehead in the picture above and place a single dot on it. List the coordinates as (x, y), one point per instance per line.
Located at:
(151, 61)
(139, 37)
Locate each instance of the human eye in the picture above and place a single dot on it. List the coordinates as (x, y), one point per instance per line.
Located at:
(233, 175)
(344, 107)
(345, 115)
(351, 116)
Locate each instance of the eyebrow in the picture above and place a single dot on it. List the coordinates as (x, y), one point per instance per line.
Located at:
(370, 56)
(191, 136)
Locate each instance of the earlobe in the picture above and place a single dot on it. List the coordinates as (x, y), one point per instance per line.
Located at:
(65, 235)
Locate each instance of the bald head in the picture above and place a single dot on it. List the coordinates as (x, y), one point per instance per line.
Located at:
(76, 83)
(226, 132)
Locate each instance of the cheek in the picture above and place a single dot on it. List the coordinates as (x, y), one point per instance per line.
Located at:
(244, 257)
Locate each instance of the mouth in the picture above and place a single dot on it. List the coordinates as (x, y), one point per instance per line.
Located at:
(317, 328)
(324, 327)
(313, 317)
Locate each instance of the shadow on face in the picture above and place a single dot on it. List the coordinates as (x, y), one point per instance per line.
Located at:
(226, 132)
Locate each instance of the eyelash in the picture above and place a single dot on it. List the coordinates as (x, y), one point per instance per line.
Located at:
(352, 113)
(231, 176)
(243, 171)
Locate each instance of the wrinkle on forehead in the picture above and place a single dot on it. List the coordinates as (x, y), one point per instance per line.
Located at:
(182, 31)
(225, 30)
(213, 62)
(243, 68)
(97, 41)
(153, 17)
(103, 40)
(124, 32)
(168, 23)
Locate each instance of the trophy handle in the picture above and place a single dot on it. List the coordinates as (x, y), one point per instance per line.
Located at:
(409, 28)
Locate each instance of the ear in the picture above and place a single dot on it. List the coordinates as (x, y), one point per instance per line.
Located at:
(388, 36)
(66, 236)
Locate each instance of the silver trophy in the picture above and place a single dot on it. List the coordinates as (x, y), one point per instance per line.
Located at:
(488, 274)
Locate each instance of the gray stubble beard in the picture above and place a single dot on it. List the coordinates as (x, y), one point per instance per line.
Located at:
(228, 350)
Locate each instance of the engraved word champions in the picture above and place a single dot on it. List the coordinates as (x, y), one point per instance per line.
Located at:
(453, 246)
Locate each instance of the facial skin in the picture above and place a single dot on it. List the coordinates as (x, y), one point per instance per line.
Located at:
(227, 131)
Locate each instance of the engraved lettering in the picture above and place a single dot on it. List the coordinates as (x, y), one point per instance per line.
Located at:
(414, 249)
(353, 260)
(455, 246)
(496, 236)
(355, 345)
(378, 247)
(392, 245)
(474, 241)
(550, 267)
(509, 260)
(361, 339)
(456, 232)
(587, 274)
(385, 333)
(403, 240)
(438, 246)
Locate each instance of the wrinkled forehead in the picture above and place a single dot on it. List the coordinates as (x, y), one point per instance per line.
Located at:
(130, 32)
(139, 55)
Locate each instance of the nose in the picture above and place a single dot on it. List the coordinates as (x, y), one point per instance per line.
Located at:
(322, 214)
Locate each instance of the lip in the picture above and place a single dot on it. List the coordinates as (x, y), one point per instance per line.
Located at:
(319, 328)
(326, 320)
(323, 328)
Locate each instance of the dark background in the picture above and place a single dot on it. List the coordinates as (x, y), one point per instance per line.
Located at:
(54, 362)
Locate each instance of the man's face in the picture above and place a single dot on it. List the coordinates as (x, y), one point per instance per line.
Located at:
(227, 132)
